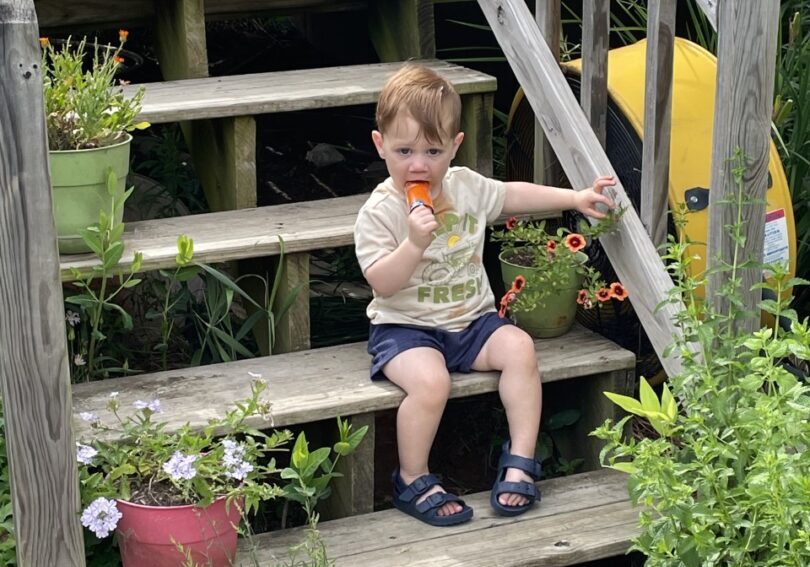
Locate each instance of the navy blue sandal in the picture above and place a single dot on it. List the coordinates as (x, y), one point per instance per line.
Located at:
(407, 495)
(528, 489)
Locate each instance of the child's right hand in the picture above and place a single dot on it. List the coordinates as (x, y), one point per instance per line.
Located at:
(421, 224)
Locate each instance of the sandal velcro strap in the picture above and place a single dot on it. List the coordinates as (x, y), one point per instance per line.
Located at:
(418, 487)
(437, 500)
(523, 488)
(530, 466)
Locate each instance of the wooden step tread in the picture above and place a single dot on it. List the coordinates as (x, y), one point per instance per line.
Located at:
(234, 235)
(284, 91)
(581, 518)
(318, 384)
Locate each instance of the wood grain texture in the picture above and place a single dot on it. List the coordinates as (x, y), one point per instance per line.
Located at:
(33, 364)
(581, 517)
(284, 91)
(234, 235)
(292, 330)
(320, 383)
(476, 123)
(709, 8)
(657, 118)
(746, 63)
(548, 17)
(630, 250)
(180, 39)
(595, 43)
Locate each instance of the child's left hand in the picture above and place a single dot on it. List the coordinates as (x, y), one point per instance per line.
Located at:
(585, 201)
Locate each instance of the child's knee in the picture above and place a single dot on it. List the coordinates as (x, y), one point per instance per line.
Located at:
(431, 383)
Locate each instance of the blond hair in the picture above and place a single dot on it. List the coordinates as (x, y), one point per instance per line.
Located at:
(427, 97)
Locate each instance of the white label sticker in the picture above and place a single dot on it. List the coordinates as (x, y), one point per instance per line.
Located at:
(776, 248)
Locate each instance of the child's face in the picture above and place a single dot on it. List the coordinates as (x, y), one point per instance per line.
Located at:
(410, 157)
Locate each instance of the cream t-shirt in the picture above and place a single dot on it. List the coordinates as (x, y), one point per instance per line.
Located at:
(449, 288)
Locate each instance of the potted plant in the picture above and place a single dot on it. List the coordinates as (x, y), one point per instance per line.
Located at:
(177, 498)
(546, 275)
(88, 121)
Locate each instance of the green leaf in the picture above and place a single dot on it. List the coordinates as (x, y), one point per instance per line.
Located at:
(628, 468)
(342, 448)
(314, 461)
(668, 404)
(562, 419)
(122, 470)
(300, 452)
(628, 404)
(649, 401)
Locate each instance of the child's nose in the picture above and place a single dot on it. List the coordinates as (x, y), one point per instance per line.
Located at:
(418, 163)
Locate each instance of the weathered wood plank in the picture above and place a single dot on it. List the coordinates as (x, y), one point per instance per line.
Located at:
(402, 29)
(709, 8)
(746, 62)
(292, 330)
(74, 13)
(180, 39)
(580, 518)
(284, 91)
(548, 18)
(657, 118)
(33, 366)
(353, 493)
(234, 235)
(595, 43)
(630, 250)
(321, 383)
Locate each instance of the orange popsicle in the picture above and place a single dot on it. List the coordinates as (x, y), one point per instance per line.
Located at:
(418, 193)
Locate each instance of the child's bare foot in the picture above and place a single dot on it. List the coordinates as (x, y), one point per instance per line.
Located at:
(423, 497)
(510, 498)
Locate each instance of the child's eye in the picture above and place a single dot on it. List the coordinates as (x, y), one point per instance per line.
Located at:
(404, 151)
(434, 152)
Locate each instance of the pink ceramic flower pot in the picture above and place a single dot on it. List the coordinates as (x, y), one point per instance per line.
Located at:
(165, 536)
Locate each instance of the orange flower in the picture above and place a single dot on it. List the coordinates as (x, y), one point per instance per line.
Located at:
(575, 242)
(43, 41)
(603, 294)
(617, 291)
(582, 296)
(518, 284)
(118, 59)
(123, 35)
(511, 223)
(551, 245)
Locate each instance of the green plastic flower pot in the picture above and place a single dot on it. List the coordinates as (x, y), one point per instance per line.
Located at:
(556, 317)
(79, 184)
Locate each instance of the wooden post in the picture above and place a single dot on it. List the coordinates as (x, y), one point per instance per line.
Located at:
(547, 16)
(657, 118)
(33, 349)
(402, 29)
(595, 44)
(630, 250)
(746, 63)
(709, 8)
(476, 123)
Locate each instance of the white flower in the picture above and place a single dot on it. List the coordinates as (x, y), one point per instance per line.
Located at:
(85, 454)
(255, 375)
(71, 116)
(240, 471)
(180, 466)
(78, 360)
(113, 395)
(101, 517)
(72, 318)
(89, 416)
(154, 405)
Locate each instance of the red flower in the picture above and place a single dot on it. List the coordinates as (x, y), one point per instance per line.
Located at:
(603, 294)
(582, 296)
(118, 59)
(617, 291)
(551, 245)
(518, 284)
(575, 242)
(511, 223)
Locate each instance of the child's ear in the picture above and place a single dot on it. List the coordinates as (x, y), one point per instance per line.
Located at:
(377, 138)
(457, 142)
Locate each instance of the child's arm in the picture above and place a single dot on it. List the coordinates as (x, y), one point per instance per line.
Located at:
(522, 197)
(391, 272)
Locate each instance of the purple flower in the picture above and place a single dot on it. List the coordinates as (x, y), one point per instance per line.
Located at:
(239, 471)
(88, 416)
(85, 454)
(101, 517)
(180, 466)
(154, 405)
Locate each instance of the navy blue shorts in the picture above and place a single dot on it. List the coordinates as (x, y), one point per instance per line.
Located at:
(460, 348)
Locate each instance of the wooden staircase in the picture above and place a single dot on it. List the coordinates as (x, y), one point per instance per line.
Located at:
(582, 517)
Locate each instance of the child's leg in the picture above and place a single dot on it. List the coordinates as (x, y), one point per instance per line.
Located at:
(422, 374)
(510, 350)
